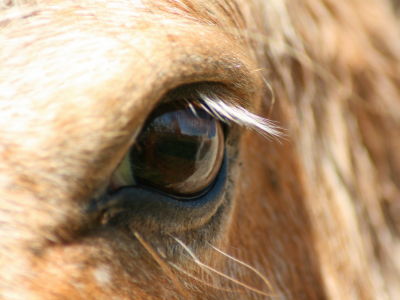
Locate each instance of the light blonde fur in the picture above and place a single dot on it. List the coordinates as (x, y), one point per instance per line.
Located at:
(314, 216)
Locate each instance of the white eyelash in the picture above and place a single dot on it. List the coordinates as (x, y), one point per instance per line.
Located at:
(227, 112)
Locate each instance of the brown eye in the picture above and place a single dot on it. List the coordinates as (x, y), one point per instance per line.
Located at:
(179, 151)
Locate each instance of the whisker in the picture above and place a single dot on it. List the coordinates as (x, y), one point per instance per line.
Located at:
(163, 265)
(203, 281)
(229, 278)
(258, 273)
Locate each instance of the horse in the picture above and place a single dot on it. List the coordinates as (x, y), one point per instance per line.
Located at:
(199, 149)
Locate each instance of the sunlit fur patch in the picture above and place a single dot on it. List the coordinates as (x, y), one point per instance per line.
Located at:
(231, 112)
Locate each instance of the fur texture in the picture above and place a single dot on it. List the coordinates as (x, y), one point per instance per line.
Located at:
(314, 216)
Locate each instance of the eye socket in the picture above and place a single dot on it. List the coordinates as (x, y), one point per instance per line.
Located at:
(179, 152)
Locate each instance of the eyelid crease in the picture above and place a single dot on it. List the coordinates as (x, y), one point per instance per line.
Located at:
(230, 112)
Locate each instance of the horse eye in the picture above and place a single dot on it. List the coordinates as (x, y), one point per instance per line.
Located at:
(179, 152)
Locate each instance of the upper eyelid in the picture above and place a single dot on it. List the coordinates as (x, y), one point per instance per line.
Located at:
(223, 104)
(219, 63)
(224, 62)
(225, 107)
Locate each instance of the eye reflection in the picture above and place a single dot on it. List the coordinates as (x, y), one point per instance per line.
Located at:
(179, 151)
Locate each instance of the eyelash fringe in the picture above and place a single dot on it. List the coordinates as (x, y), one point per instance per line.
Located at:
(227, 112)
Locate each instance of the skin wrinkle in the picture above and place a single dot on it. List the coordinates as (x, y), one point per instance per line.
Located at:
(314, 214)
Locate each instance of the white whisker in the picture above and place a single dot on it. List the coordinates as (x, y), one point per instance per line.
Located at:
(201, 280)
(258, 273)
(163, 265)
(229, 278)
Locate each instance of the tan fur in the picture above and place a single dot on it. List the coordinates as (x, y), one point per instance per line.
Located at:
(315, 215)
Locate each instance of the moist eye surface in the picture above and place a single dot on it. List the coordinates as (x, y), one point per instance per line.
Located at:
(179, 151)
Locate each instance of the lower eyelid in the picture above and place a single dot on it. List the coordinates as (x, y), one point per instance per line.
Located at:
(154, 211)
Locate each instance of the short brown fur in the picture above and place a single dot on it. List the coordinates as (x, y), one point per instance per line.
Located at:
(316, 213)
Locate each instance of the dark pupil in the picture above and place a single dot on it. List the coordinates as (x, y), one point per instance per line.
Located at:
(179, 151)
